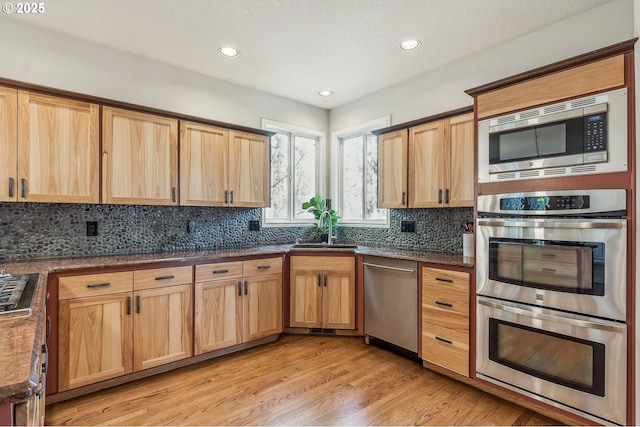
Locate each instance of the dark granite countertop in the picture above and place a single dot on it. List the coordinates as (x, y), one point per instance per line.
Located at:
(20, 336)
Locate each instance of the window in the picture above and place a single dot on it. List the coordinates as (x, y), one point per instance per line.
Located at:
(357, 175)
(295, 175)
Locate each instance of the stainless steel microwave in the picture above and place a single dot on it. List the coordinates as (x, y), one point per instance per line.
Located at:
(581, 136)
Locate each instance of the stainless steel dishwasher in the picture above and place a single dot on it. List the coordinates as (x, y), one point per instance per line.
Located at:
(391, 301)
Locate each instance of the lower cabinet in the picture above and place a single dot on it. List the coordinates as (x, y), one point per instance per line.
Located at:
(445, 319)
(237, 302)
(31, 411)
(113, 324)
(322, 292)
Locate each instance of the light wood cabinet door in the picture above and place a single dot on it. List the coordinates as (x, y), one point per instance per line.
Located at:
(218, 315)
(306, 298)
(57, 149)
(427, 165)
(249, 174)
(204, 164)
(262, 306)
(139, 158)
(162, 326)
(8, 145)
(95, 339)
(338, 299)
(461, 144)
(393, 150)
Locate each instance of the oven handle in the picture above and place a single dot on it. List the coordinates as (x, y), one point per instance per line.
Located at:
(565, 318)
(551, 224)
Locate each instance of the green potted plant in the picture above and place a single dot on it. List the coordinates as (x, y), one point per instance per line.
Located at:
(317, 205)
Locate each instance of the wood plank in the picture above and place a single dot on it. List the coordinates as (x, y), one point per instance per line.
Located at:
(299, 380)
(590, 78)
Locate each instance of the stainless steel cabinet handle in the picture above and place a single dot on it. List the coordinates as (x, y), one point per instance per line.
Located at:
(445, 304)
(325, 280)
(45, 365)
(239, 288)
(388, 267)
(174, 193)
(99, 285)
(11, 184)
(231, 197)
(246, 287)
(446, 195)
(226, 196)
(170, 276)
(23, 188)
(440, 195)
(128, 305)
(403, 197)
(444, 340)
(319, 280)
(138, 304)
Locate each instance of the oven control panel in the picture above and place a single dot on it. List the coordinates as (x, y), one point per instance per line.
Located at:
(544, 203)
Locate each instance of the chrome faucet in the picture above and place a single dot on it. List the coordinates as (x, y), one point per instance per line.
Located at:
(320, 219)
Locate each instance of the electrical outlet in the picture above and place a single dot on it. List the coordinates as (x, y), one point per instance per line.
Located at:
(191, 226)
(408, 226)
(92, 228)
(254, 225)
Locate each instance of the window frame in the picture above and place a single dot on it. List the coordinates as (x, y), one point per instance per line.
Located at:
(294, 130)
(336, 155)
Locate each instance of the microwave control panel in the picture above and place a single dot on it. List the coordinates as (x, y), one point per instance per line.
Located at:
(595, 135)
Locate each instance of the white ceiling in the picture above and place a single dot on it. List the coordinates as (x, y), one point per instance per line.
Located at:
(295, 48)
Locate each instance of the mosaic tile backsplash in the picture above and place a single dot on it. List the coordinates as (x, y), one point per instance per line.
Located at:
(42, 230)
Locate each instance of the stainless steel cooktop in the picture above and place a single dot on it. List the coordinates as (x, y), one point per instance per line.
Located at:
(17, 293)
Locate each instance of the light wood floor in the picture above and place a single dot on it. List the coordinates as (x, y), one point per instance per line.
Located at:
(298, 380)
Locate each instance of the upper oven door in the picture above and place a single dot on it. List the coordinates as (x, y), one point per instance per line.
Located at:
(577, 265)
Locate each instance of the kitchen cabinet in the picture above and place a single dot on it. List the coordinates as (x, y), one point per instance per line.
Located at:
(393, 149)
(427, 166)
(219, 167)
(445, 319)
(441, 164)
(322, 293)
(102, 335)
(95, 328)
(163, 316)
(139, 158)
(237, 302)
(50, 148)
(8, 144)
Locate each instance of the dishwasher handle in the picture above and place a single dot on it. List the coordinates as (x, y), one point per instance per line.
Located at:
(388, 267)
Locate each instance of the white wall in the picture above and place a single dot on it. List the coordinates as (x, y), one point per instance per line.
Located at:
(443, 89)
(39, 56)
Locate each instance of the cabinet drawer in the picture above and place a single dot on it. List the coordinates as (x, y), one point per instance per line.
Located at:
(94, 284)
(262, 266)
(445, 347)
(445, 279)
(446, 301)
(161, 277)
(218, 271)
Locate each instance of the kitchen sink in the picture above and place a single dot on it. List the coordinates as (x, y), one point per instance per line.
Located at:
(324, 246)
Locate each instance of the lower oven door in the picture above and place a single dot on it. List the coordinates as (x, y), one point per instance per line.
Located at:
(569, 361)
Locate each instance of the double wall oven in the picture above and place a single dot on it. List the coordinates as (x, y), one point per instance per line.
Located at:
(551, 285)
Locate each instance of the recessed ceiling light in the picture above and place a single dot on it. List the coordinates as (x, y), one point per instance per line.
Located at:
(410, 44)
(229, 52)
(325, 93)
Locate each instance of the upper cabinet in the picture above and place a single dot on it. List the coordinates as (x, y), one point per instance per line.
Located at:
(139, 159)
(427, 166)
(219, 167)
(248, 169)
(204, 164)
(392, 169)
(8, 144)
(57, 150)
